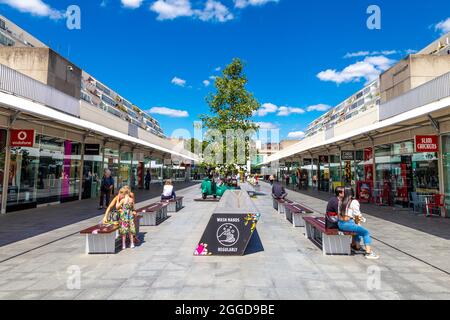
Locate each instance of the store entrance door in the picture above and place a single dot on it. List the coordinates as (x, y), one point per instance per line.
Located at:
(403, 181)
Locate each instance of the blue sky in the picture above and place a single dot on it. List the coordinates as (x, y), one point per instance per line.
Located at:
(299, 55)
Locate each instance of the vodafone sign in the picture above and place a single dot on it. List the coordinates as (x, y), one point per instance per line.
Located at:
(427, 144)
(22, 138)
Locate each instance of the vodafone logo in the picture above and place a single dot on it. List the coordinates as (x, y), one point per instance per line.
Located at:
(22, 138)
(22, 135)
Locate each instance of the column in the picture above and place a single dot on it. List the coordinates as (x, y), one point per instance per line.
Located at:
(132, 177)
(80, 190)
(6, 172)
(441, 169)
(374, 173)
(340, 165)
(119, 184)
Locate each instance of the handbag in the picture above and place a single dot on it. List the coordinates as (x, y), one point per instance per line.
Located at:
(331, 220)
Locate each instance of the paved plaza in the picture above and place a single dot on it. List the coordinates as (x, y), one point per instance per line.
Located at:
(281, 263)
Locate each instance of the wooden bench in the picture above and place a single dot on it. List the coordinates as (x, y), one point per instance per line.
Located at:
(101, 238)
(104, 238)
(278, 204)
(332, 241)
(153, 214)
(295, 213)
(174, 205)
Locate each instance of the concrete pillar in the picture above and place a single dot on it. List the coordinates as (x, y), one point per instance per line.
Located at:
(340, 165)
(441, 168)
(132, 178)
(374, 173)
(80, 190)
(6, 172)
(119, 185)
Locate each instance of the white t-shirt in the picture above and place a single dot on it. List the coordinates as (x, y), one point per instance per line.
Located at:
(354, 209)
(167, 191)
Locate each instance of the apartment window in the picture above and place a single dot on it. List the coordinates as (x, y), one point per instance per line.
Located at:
(2, 24)
(103, 88)
(85, 97)
(6, 41)
(108, 100)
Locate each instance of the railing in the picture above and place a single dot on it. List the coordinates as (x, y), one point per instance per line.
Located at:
(429, 92)
(21, 85)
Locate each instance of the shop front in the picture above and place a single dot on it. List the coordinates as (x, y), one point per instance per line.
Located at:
(446, 167)
(47, 172)
(402, 173)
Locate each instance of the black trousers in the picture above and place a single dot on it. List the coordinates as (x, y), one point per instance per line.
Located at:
(104, 194)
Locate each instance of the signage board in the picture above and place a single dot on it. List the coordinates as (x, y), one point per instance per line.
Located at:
(348, 155)
(22, 138)
(307, 162)
(231, 226)
(426, 144)
(92, 149)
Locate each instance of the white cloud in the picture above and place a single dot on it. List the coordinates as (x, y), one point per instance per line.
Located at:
(206, 83)
(370, 53)
(319, 107)
(214, 11)
(178, 82)
(218, 69)
(245, 3)
(265, 109)
(443, 26)
(34, 7)
(296, 135)
(287, 111)
(410, 51)
(266, 125)
(368, 69)
(213, 78)
(169, 112)
(171, 9)
(132, 4)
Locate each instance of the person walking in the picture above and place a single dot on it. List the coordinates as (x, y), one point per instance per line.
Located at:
(148, 179)
(106, 188)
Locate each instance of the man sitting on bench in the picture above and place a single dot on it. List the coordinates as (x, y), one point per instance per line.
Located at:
(278, 191)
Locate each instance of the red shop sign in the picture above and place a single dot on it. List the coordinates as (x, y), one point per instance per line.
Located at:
(22, 138)
(427, 144)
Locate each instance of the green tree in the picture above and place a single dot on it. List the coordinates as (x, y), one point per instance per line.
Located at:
(232, 105)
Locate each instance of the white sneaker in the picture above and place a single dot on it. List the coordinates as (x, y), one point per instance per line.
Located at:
(132, 246)
(372, 256)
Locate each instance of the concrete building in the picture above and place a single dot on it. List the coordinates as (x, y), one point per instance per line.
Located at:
(60, 128)
(393, 153)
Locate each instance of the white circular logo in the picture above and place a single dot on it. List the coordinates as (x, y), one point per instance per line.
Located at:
(22, 135)
(227, 235)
